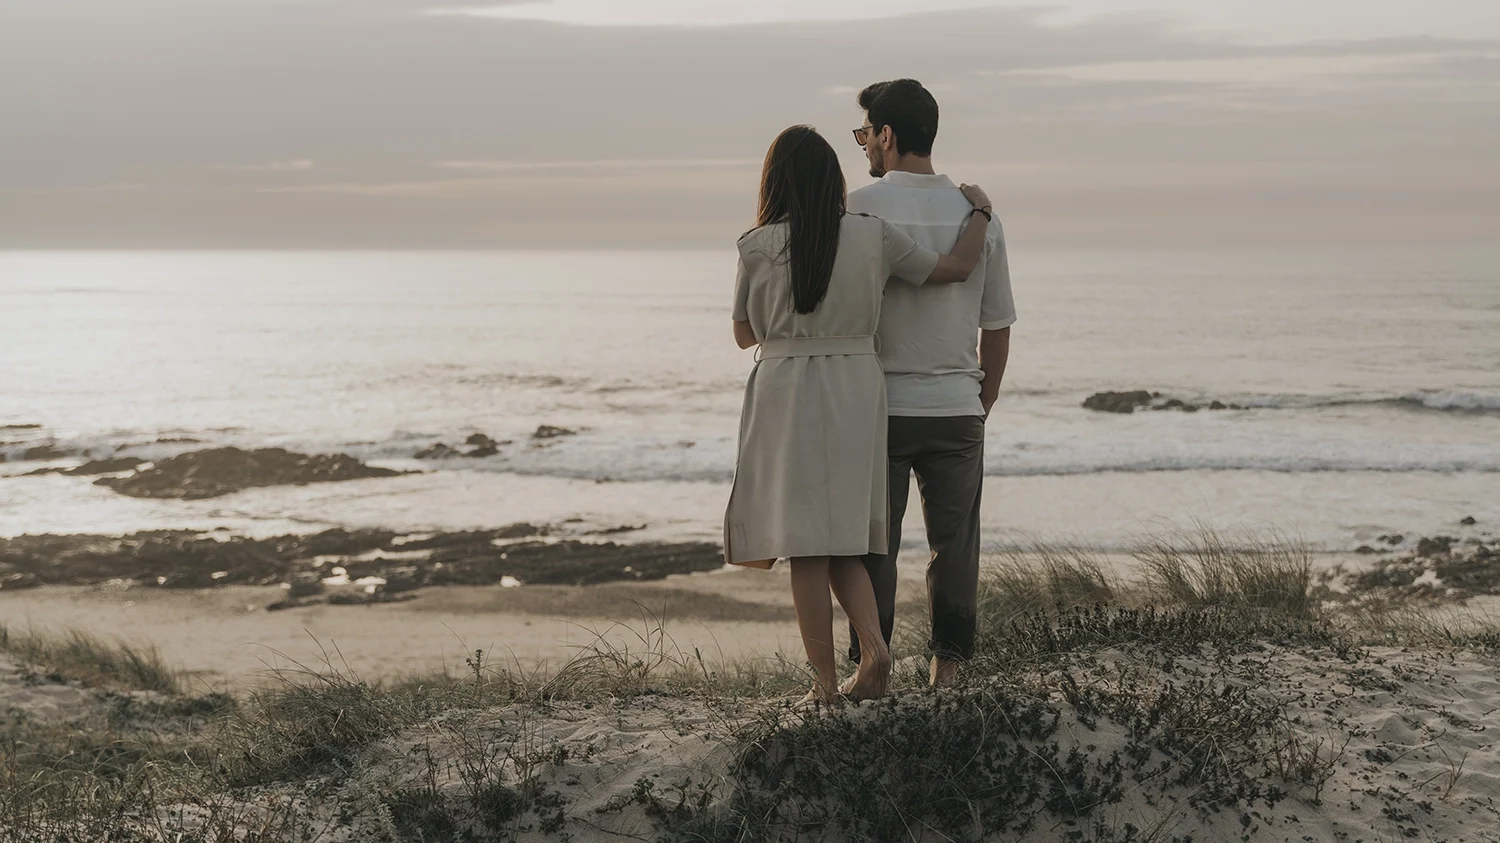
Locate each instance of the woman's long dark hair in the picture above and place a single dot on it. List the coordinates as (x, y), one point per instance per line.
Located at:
(803, 186)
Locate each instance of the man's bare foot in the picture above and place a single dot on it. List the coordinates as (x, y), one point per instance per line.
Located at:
(872, 679)
(944, 673)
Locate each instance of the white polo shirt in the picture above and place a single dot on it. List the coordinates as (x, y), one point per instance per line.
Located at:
(929, 335)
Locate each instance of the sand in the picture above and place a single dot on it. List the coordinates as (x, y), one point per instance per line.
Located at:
(225, 639)
(1411, 737)
(39, 698)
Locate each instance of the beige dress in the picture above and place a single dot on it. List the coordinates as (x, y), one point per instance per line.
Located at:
(811, 475)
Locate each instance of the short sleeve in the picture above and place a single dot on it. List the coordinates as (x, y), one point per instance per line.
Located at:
(905, 258)
(742, 292)
(997, 310)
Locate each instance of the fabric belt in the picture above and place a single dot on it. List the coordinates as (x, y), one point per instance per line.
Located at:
(815, 347)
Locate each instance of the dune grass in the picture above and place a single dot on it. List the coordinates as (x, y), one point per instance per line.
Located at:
(1043, 613)
(1204, 567)
(91, 660)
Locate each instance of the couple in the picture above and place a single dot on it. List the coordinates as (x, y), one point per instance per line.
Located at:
(878, 355)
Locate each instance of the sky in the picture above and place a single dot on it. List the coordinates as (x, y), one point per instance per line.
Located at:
(603, 123)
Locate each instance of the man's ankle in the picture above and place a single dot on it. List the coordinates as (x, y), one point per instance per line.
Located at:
(943, 673)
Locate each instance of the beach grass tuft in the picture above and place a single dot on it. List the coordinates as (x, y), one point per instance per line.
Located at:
(1204, 567)
(85, 658)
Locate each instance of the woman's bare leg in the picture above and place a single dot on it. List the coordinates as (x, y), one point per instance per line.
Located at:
(815, 620)
(851, 585)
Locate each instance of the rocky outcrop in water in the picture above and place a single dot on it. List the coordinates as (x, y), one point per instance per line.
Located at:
(482, 446)
(1117, 402)
(391, 563)
(41, 453)
(1129, 402)
(479, 446)
(221, 471)
(93, 468)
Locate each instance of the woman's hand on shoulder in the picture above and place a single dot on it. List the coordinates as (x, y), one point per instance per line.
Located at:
(976, 196)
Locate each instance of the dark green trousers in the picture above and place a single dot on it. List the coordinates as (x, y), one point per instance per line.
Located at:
(947, 457)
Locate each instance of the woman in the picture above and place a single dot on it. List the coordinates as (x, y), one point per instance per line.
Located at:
(810, 483)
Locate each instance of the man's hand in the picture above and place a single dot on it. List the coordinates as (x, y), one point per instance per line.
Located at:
(976, 196)
(987, 398)
(994, 352)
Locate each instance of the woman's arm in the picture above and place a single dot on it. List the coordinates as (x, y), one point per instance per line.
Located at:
(744, 335)
(958, 265)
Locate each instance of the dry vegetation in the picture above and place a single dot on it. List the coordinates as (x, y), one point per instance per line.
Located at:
(1091, 701)
(87, 659)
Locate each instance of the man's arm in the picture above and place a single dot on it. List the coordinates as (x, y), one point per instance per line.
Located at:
(994, 352)
(997, 313)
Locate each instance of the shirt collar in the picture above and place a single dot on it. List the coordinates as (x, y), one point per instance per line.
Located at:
(901, 178)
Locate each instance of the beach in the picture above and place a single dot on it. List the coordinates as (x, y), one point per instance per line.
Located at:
(386, 547)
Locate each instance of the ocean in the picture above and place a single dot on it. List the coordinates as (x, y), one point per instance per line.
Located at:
(1369, 388)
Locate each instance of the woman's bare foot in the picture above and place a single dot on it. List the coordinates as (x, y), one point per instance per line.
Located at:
(872, 679)
(821, 696)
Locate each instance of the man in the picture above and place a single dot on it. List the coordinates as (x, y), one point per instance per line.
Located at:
(944, 351)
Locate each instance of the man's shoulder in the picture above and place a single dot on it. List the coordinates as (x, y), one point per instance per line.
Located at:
(863, 200)
(898, 202)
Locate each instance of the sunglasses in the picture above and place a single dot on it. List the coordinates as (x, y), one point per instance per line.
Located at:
(862, 135)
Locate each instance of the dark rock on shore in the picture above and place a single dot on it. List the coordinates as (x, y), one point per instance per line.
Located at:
(436, 451)
(1438, 569)
(482, 446)
(479, 445)
(1469, 521)
(1129, 402)
(46, 452)
(16, 580)
(221, 471)
(547, 431)
(305, 564)
(108, 466)
(1117, 402)
(93, 468)
(1434, 547)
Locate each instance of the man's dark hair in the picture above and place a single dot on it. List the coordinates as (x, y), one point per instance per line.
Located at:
(908, 108)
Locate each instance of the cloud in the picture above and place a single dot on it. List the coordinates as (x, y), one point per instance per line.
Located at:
(293, 165)
(513, 122)
(616, 166)
(1277, 69)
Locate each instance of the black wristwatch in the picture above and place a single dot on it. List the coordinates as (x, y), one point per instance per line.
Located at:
(990, 217)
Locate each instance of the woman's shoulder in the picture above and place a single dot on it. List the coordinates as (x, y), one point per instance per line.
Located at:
(763, 238)
(864, 222)
(863, 225)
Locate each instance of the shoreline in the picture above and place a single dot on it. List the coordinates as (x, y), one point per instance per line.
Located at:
(1331, 512)
(226, 638)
